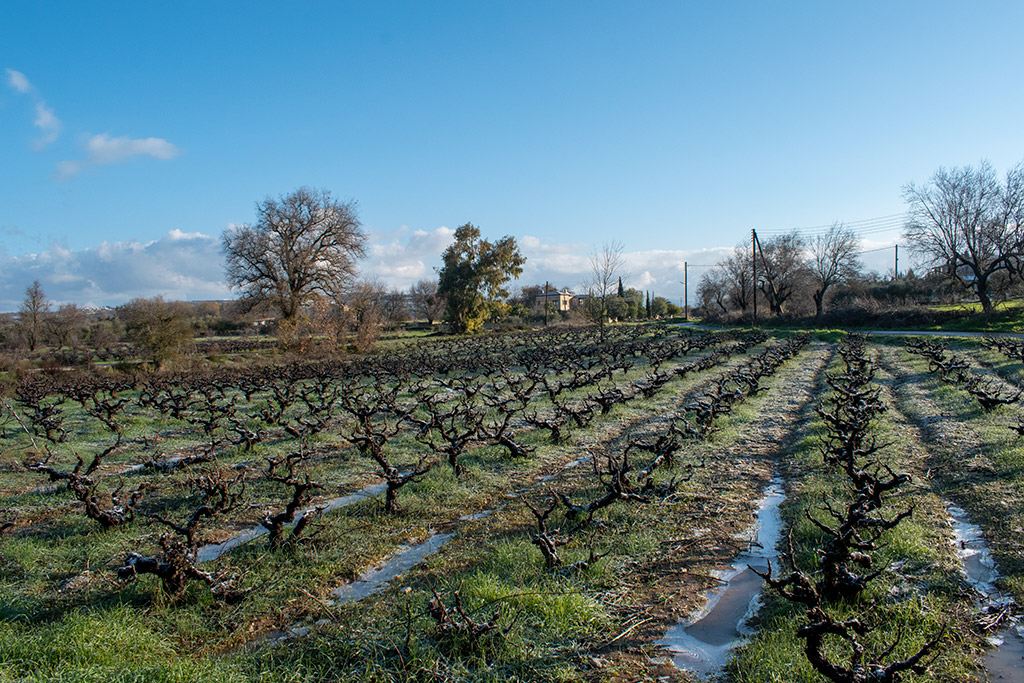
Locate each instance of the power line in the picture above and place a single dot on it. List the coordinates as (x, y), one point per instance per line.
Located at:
(867, 226)
(870, 251)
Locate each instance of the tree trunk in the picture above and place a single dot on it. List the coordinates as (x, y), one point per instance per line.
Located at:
(981, 287)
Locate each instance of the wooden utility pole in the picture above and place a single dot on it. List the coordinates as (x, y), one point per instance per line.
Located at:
(547, 285)
(896, 263)
(753, 261)
(686, 294)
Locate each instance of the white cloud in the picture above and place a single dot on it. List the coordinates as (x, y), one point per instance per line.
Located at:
(180, 265)
(189, 265)
(67, 169)
(18, 81)
(401, 258)
(406, 257)
(104, 149)
(46, 120)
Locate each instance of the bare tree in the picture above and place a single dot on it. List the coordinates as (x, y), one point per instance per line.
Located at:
(364, 304)
(394, 308)
(65, 325)
(784, 269)
(605, 271)
(969, 224)
(740, 275)
(302, 243)
(32, 313)
(833, 260)
(426, 302)
(713, 291)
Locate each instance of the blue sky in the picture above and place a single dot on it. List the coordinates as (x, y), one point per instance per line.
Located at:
(132, 134)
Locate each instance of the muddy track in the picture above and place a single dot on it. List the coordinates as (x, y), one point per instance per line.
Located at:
(740, 468)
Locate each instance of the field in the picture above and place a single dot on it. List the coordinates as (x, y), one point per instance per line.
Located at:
(537, 506)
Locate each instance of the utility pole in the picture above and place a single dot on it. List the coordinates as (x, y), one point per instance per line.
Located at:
(896, 263)
(547, 285)
(686, 294)
(753, 261)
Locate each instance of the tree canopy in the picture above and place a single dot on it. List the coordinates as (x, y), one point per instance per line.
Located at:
(474, 271)
(302, 243)
(159, 327)
(834, 259)
(971, 225)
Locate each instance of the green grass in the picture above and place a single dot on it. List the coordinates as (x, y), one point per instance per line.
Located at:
(911, 603)
(551, 622)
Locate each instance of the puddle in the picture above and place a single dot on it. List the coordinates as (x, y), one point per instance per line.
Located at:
(402, 561)
(702, 644)
(476, 515)
(1003, 662)
(212, 551)
(577, 462)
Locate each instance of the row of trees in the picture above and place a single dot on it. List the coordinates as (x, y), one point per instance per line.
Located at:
(297, 263)
(303, 248)
(158, 326)
(787, 267)
(966, 226)
(301, 254)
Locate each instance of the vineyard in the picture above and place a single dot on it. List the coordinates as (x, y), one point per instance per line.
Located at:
(571, 504)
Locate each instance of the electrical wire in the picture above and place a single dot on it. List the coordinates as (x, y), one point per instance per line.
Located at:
(861, 228)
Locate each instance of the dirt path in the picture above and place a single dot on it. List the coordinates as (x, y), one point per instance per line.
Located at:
(895, 333)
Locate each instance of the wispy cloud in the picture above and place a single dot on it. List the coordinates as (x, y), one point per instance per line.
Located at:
(46, 120)
(103, 149)
(18, 81)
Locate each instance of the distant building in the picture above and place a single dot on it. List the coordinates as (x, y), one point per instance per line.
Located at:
(560, 300)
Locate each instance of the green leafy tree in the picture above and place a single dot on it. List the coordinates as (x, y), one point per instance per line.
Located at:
(659, 306)
(474, 271)
(634, 300)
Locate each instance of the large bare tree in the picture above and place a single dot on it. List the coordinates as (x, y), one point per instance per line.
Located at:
(969, 223)
(302, 243)
(833, 260)
(605, 271)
